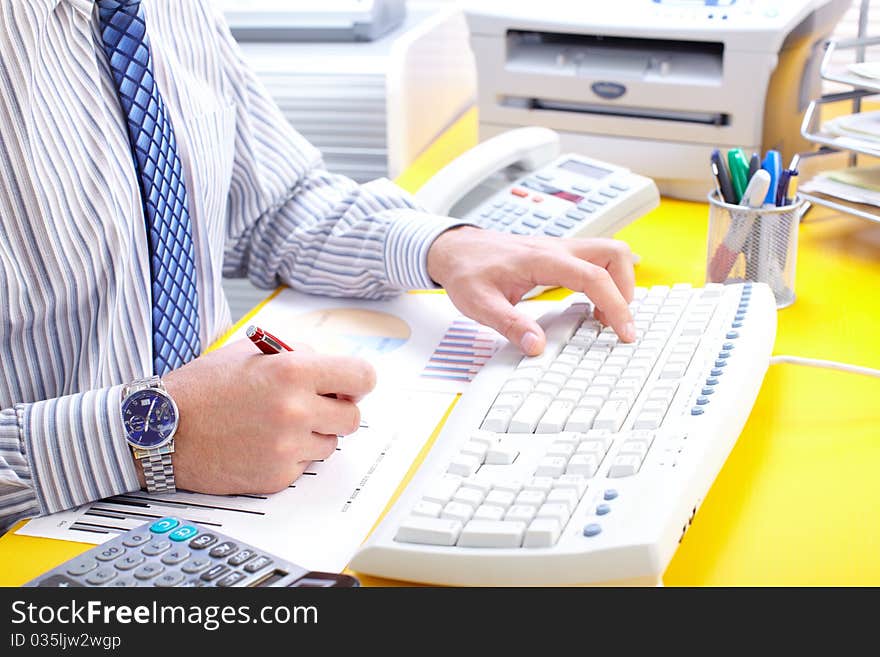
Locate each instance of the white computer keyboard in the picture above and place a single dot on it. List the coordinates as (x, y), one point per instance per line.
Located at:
(585, 464)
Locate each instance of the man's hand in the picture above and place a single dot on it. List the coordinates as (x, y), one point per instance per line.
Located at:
(251, 423)
(485, 273)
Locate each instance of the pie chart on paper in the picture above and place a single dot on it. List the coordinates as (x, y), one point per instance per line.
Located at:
(351, 331)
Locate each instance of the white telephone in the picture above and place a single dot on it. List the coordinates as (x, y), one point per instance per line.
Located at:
(518, 182)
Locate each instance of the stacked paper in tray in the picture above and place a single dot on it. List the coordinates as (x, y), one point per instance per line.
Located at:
(857, 131)
(856, 184)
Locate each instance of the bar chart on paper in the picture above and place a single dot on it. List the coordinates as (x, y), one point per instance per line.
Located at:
(464, 348)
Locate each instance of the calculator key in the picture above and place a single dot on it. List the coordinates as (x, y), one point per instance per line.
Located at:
(82, 567)
(126, 582)
(241, 557)
(176, 556)
(130, 561)
(110, 553)
(196, 565)
(214, 572)
(231, 579)
(225, 549)
(183, 533)
(163, 525)
(136, 540)
(203, 541)
(258, 564)
(101, 576)
(169, 579)
(149, 570)
(156, 547)
(57, 581)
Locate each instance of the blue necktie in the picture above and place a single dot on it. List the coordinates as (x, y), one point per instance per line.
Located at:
(172, 262)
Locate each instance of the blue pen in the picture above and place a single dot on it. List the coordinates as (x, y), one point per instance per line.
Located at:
(773, 165)
(785, 181)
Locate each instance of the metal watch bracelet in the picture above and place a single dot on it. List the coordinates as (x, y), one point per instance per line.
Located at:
(156, 463)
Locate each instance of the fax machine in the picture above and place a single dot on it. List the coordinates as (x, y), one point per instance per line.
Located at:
(652, 85)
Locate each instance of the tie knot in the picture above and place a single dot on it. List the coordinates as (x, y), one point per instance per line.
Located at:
(108, 9)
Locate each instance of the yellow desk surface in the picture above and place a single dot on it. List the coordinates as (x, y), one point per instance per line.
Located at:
(798, 500)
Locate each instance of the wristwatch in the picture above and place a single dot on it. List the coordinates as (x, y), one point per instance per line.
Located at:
(150, 418)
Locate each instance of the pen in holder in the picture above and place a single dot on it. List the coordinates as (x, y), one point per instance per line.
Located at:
(754, 244)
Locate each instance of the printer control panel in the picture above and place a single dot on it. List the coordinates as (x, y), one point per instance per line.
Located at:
(717, 11)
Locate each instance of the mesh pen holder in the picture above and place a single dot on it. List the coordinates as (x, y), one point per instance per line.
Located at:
(754, 244)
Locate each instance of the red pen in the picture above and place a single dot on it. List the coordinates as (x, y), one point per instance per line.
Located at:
(266, 342)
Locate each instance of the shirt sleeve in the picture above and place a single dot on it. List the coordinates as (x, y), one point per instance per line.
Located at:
(60, 453)
(291, 221)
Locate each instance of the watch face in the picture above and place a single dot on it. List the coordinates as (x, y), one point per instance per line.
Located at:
(150, 418)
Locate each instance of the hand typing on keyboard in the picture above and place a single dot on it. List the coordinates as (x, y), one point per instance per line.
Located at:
(485, 273)
(587, 462)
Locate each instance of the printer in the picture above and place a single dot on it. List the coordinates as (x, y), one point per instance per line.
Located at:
(653, 85)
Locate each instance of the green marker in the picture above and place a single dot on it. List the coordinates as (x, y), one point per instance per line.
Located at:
(739, 171)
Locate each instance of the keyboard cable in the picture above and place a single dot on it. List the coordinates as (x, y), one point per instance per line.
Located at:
(828, 364)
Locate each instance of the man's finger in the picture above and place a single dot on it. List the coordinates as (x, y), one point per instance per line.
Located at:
(343, 376)
(613, 255)
(489, 306)
(336, 417)
(594, 281)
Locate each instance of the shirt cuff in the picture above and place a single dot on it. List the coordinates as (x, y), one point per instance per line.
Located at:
(409, 238)
(77, 449)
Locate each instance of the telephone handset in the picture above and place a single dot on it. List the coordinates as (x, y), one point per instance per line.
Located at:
(518, 182)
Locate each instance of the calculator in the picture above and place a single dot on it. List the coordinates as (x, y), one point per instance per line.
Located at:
(170, 552)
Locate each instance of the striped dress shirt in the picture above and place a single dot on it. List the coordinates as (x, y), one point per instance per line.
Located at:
(74, 270)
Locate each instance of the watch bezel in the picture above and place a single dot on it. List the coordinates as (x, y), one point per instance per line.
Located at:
(155, 391)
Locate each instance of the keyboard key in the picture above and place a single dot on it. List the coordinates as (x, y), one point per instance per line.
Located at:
(575, 482)
(612, 415)
(480, 484)
(525, 420)
(497, 419)
(488, 512)
(529, 497)
(502, 498)
(464, 465)
(521, 513)
(554, 420)
(542, 532)
(457, 511)
(492, 533)
(427, 509)
(551, 466)
(559, 512)
(566, 496)
(501, 455)
(648, 420)
(543, 484)
(475, 448)
(581, 419)
(469, 496)
(584, 465)
(428, 531)
(636, 447)
(624, 465)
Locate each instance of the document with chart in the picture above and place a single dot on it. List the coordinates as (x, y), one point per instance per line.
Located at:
(424, 351)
